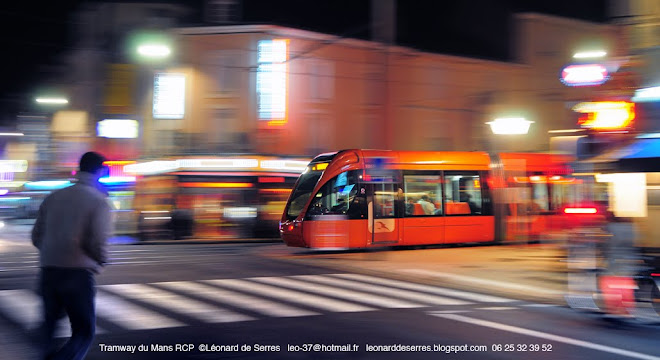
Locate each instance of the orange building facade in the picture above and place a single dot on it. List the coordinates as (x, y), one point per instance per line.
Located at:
(327, 93)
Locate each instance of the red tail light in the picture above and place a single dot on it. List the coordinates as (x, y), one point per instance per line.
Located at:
(580, 210)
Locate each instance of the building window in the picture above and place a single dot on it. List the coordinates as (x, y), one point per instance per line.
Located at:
(272, 81)
(169, 96)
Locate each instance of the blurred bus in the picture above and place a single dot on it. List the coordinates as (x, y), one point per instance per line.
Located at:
(365, 198)
(24, 202)
(213, 197)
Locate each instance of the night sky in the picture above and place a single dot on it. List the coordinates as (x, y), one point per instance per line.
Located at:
(36, 33)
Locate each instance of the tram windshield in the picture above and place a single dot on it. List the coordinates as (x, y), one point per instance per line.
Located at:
(303, 189)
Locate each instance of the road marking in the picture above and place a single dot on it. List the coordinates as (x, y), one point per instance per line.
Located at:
(383, 290)
(130, 316)
(538, 305)
(497, 308)
(248, 302)
(176, 303)
(356, 296)
(542, 335)
(131, 250)
(22, 307)
(425, 288)
(488, 282)
(290, 295)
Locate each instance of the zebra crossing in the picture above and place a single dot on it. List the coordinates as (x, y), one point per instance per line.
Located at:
(173, 304)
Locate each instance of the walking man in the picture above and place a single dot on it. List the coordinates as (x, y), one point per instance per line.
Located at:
(71, 233)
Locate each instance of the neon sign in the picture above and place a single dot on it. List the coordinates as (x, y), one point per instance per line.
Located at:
(584, 75)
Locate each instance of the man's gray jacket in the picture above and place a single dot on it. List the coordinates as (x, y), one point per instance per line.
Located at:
(73, 226)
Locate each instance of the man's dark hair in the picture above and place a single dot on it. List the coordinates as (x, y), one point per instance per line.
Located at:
(90, 162)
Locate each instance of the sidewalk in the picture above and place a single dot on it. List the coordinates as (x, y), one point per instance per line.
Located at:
(534, 272)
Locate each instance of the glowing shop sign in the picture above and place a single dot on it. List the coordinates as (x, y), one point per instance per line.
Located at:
(606, 115)
(271, 81)
(13, 166)
(169, 96)
(584, 75)
(117, 128)
(647, 94)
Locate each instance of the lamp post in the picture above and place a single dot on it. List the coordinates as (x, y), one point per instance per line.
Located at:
(49, 102)
(152, 51)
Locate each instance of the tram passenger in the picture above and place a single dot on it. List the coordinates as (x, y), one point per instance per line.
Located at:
(474, 208)
(410, 206)
(427, 205)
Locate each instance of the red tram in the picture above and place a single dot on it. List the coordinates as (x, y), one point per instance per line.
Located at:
(366, 198)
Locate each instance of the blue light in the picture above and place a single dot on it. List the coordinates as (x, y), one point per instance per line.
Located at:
(117, 179)
(48, 185)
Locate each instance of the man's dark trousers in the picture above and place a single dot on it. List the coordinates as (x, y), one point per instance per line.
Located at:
(69, 291)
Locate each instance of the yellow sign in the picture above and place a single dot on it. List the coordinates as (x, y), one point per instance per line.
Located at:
(119, 89)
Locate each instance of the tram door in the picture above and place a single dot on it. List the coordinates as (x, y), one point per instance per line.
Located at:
(383, 205)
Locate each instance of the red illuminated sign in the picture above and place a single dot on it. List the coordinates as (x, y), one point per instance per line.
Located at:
(606, 115)
(584, 75)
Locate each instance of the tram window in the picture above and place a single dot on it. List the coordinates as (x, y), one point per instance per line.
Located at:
(385, 200)
(302, 192)
(339, 196)
(422, 194)
(540, 196)
(463, 193)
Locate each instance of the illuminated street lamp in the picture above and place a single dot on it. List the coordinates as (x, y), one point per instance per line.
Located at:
(154, 51)
(149, 46)
(52, 100)
(510, 126)
(593, 54)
